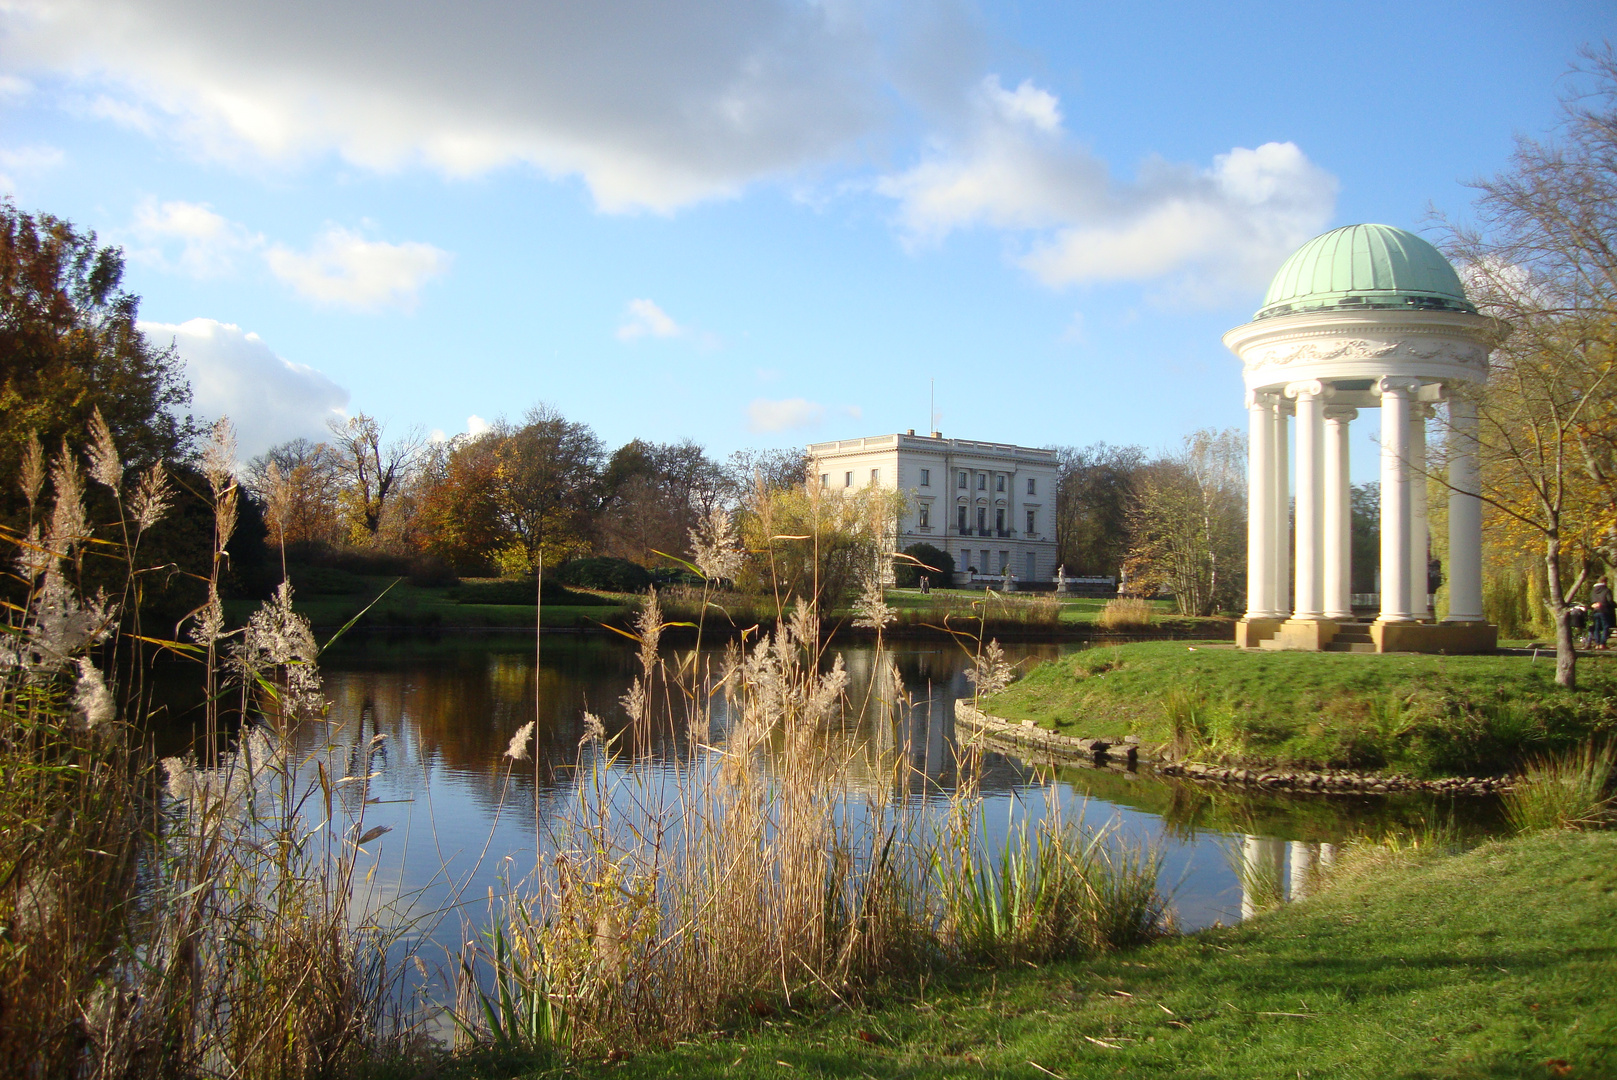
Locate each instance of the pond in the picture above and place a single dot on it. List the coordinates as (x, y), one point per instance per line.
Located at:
(463, 819)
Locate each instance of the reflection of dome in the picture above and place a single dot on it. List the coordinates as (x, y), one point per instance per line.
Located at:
(1360, 267)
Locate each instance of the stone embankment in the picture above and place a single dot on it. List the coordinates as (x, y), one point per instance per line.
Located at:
(1125, 751)
(1129, 752)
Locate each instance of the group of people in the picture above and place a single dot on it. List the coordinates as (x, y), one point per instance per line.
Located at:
(1597, 617)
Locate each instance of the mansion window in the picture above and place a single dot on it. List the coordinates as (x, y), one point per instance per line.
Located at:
(926, 477)
(999, 521)
(1031, 490)
(982, 520)
(825, 479)
(982, 481)
(962, 484)
(962, 522)
(1031, 517)
(847, 479)
(999, 483)
(926, 516)
(875, 476)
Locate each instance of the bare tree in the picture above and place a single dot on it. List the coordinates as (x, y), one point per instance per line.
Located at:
(372, 473)
(1541, 257)
(1187, 522)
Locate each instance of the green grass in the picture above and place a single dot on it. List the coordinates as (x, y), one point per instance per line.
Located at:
(1494, 963)
(1432, 715)
(1075, 613)
(407, 606)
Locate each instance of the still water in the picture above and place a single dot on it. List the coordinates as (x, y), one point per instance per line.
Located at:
(463, 818)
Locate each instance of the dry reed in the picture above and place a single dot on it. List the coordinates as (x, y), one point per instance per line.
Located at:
(1125, 613)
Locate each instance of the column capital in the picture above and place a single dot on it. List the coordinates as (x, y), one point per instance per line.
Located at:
(1310, 388)
(1397, 386)
(1260, 399)
(1342, 414)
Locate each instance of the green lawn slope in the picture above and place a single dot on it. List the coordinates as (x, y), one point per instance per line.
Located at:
(1500, 962)
(1429, 715)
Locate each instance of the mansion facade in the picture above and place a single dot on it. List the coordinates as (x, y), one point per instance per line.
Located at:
(991, 506)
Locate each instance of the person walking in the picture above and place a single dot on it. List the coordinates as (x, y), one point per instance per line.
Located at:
(1600, 613)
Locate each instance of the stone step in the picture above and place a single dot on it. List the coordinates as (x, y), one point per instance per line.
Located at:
(1338, 645)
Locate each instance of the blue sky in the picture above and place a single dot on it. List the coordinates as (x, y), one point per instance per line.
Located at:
(747, 222)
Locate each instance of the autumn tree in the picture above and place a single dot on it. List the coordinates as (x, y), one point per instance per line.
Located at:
(1094, 490)
(373, 473)
(1187, 523)
(308, 507)
(1541, 257)
(459, 517)
(70, 344)
(652, 495)
(816, 544)
(549, 487)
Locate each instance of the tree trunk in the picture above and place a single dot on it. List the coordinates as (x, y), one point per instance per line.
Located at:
(1566, 655)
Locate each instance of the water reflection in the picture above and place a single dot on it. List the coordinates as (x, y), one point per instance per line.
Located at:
(464, 818)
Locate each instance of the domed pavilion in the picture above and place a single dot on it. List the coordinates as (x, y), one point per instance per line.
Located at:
(1363, 317)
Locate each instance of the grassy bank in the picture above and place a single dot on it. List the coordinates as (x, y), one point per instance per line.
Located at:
(328, 600)
(1495, 963)
(1428, 715)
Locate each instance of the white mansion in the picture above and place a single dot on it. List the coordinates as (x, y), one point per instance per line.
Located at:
(991, 506)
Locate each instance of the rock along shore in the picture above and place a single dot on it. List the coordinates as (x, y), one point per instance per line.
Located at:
(1130, 753)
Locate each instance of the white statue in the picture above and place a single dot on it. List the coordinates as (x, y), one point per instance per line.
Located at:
(1008, 582)
(1061, 578)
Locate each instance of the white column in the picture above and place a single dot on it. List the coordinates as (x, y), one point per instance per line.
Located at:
(1396, 395)
(1282, 511)
(1419, 549)
(1260, 503)
(1309, 563)
(1464, 571)
(1338, 514)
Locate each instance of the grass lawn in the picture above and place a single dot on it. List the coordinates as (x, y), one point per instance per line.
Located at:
(1432, 715)
(1499, 962)
(914, 606)
(417, 607)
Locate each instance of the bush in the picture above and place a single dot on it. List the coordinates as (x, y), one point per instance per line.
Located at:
(613, 575)
(907, 575)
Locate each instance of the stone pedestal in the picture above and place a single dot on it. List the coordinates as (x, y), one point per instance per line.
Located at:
(1451, 638)
(1303, 635)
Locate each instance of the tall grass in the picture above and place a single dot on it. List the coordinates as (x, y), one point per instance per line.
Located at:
(202, 926)
(1125, 613)
(758, 873)
(1563, 791)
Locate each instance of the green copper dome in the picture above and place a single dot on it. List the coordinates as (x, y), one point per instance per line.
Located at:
(1360, 267)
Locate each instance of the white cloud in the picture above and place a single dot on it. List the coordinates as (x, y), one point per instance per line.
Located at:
(234, 373)
(765, 415)
(208, 242)
(1212, 232)
(646, 319)
(343, 268)
(476, 425)
(26, 161)
(653, 104)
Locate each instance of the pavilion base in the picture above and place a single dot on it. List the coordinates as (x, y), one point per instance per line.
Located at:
(1302, 635)
(1251, 633)
(1453, 638)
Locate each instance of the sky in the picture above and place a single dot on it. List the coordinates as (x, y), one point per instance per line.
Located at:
(752, 223)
